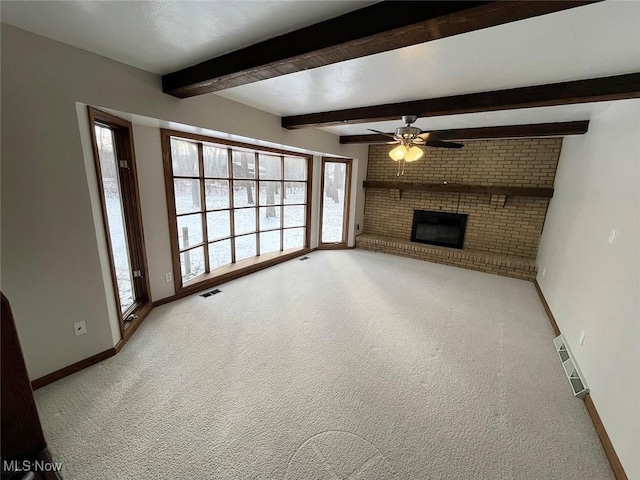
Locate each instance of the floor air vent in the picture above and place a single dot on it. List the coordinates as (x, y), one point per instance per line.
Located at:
(212, 292)
(571, 370)
(304, 258)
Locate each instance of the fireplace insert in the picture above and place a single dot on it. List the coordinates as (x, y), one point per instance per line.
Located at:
(439, 228)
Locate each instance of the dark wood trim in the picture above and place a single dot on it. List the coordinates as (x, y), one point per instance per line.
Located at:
(141, 313)
(552, 319)
(231, 143)
(374, 29)
(616, 465)
(617, 87)
(172, 298)
(169, 299)
(321, 206)
(165, 140)
(232, 275)
(203, 203)
(121, 343)
(535, 130)
(257, 204)
(309, 187)
(333, 246)
(458, 188)
(347, 203)
(106, 118)
(122, 131)
(207, 280)
(76, 367)
(94, 115)
(87, 362)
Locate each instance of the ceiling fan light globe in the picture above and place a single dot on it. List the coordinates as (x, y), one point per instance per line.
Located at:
(398, 153)
(413, 154)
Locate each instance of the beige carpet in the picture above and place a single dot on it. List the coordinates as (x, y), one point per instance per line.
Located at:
(349, 365)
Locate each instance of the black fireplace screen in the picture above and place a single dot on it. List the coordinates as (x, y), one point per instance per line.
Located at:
(439, 228)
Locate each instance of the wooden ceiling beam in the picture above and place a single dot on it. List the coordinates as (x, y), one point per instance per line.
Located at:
(534, 130)
(380, 27)
(618, 87)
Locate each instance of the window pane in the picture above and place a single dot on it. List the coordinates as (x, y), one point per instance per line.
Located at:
(295, 192)
(245, 220)
(269, 218)
(216, 161)
(294, 238)
(219, 254)
(192, 263)
(269, 242)
(244, 193)
(245, 247)
(217, 194)
(187, 195)
(294, 216)
(115, 216)
(270, 193)
(184, 158)
(244, 165)
(333, 208)
(218, 225)
(189, 230)
(270, 167)
(295, 168)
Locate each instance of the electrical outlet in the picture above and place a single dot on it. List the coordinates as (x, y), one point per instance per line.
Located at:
(612, 236)
(544, 271)
(581, 339)
(168, 277)
(80, 328)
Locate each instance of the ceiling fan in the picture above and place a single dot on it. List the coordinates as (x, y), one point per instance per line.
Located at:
(410, 139)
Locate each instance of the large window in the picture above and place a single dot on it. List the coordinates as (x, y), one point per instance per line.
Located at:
(118, 187)
(334, 216)
(232, 205)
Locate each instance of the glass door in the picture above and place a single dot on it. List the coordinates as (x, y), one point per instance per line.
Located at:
(117, 183)
(334, 208)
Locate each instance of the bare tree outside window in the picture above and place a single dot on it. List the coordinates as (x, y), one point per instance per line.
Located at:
(336, 175)
(229, 203)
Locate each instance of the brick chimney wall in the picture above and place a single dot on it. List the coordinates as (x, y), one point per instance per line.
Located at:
(512, 230)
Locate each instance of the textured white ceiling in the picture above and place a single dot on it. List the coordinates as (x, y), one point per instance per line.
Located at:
(590, 41)
(162, 36)
(595, 40)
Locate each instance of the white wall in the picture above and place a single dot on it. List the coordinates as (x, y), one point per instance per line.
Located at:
(52, 252)
(153, 203)
(593, 286)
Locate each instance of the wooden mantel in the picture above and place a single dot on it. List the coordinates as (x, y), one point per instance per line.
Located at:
(461, 188)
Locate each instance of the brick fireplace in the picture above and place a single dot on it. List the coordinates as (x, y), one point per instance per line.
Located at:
(502, 230)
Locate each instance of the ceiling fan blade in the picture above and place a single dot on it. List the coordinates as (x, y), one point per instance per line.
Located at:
(381, 133)
(395, 142)
(441, 144)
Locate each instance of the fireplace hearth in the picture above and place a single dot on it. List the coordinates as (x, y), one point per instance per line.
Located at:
(439, 228)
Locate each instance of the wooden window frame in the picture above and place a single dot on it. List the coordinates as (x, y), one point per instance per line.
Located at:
(347, 204)
(122, 132)
(245, 266)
